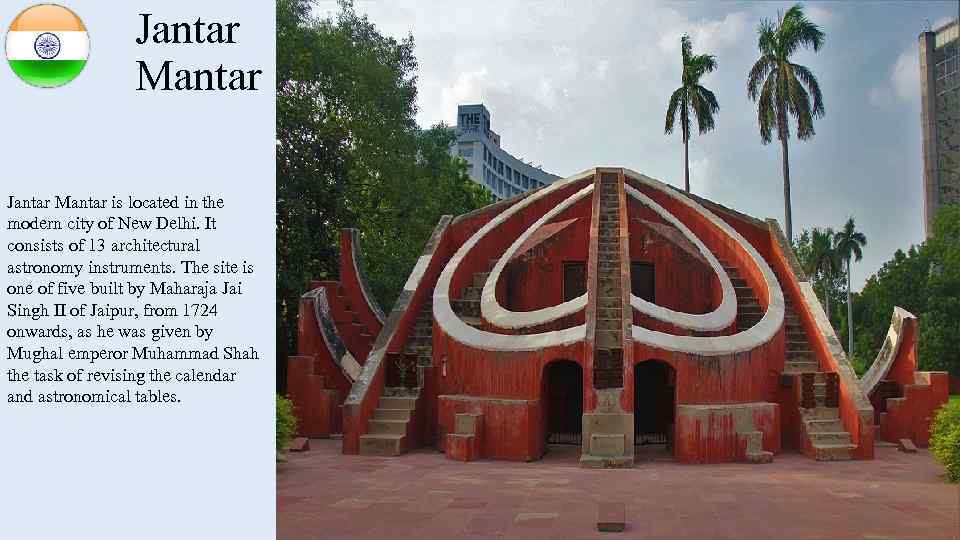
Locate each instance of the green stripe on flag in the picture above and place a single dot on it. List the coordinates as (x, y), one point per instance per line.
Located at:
(47, 73)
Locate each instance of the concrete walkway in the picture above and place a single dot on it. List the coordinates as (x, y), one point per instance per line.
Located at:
(322, 494)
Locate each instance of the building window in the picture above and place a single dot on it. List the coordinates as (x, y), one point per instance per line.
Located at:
(574, 279)
(642, 280)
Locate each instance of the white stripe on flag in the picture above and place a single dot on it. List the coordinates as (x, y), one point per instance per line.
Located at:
(73, 45)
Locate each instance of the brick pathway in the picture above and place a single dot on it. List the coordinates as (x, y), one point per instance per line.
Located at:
(322, 494)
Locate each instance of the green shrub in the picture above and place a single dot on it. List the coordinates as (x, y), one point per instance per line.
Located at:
(859, 365)
(945, 439)
(286, 422)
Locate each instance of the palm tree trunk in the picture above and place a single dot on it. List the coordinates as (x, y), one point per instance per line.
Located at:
(787, 214)
(686, 164)
(849, 315)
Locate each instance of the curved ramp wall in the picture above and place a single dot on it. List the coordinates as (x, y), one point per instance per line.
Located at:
(920, 393)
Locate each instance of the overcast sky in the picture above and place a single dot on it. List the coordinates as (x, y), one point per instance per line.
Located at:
(573, 85)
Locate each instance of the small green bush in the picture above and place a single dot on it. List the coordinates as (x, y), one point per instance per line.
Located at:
(859, 365)
(945, 439)
(286, 422)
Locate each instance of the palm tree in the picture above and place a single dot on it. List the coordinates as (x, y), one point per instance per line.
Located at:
(848, 243)
(692, 98)
(782, 88)
(823, 261)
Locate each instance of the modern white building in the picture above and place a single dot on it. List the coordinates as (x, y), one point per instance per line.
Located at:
(488, 164)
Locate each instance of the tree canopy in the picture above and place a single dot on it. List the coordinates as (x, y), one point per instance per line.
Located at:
(924, 280)
(350, 154)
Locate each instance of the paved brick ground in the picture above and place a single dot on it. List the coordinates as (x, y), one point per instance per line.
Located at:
(323, 494)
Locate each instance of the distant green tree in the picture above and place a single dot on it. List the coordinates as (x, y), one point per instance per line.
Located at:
(848, 243)
(691, 98)
(783, 89)
(827, 286)
(395, 235)
(940, 324)
(900, 281)
(350, 154)
(924, 280)
(823, 262)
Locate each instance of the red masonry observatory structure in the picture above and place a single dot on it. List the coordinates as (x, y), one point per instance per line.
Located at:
(607, 310)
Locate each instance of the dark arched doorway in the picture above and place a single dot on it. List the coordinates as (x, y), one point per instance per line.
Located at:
(563, 402)
(653, 403)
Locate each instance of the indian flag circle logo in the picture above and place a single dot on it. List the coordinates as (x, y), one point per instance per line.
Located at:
(47, 45)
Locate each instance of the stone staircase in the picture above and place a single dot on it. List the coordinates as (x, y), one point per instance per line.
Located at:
(467, 307)
(608, 436)
(391, 430)
(885, 390)
(353, 330)
(799, 355)
(749, 310)
(608, 345)
(826, 438)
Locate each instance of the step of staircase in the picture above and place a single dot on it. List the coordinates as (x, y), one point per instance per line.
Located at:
(398, 402)
(827, 425)
(833, 452)
(792, 367)
(387, 427)
(824, 430)
(392, 414)
(829, 437)
(382, 444)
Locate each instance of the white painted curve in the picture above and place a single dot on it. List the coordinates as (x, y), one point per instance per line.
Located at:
(718, 319)
(460, 331)
(501, 317)
(753, 337)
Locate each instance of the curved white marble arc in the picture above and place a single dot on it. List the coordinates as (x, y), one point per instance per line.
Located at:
(500, 316)
(718, 319)
(749, 339)
(443, 312)
(888, 352)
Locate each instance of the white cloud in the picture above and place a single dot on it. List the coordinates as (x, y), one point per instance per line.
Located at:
(700, 177)
(708, 36)
(820, 15)
(546, 94)
(879, 96)
(468, 88)
(603, 66)
(905, 75)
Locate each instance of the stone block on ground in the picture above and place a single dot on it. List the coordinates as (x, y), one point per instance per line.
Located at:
(299, 444)
(611, 517)
(906, 446)
(606, 444)
(462, 447)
